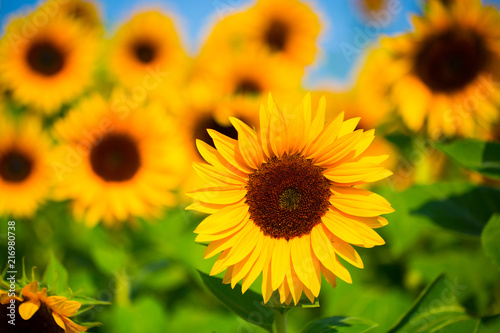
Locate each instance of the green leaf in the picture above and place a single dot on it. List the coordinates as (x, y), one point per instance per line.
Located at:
(340, 325)
(466, 212)
(56, 276)
(459, 326)
(483, 157)
(490, 239)
(435, 309)
(248, 306)
(490, 324)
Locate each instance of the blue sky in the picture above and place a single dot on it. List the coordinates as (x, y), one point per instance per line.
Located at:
(345, 27)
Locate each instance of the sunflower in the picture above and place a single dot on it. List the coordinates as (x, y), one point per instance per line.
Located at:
(444, 73)
(116, 163)
(146, 48)
(284, 201)
(288, 28)
(51, 65)
(24, 166)
(47, 313)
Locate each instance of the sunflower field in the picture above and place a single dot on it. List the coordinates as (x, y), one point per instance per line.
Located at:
(250, 166)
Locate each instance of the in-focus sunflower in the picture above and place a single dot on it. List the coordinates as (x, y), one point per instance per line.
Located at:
(284, 201)
(146, 46)
(114, 163)
(49, 67)
(25, 153)
(42, 313)
(288, 28)
(444, 73)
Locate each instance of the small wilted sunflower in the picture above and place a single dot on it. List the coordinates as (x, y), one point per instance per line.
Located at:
(146, 45)
(85, 12)
(24, 166)
(444, 73)
(115, 164)
(42, 313)
(49, 67)
(284, 201)
(288, 28)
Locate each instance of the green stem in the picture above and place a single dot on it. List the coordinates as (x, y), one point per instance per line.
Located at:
(280, 321)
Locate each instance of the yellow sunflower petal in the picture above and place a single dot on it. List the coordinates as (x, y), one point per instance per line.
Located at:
(359, 202)
(248, 144)
(223, 219)
(353, 172)
(28, 308)
(219, 195)
(280, 264)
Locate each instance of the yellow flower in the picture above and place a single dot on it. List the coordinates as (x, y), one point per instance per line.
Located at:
(116, 163)
(59, 307)
(25, 174)
(444, 73)
(49, 66)
(288, 28)
(284, 202)
(146, 46)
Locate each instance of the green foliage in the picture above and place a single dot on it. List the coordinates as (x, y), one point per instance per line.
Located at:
(479, 156)
(437, 310)
(490, 238)
(340, 325)
(56, 276)
(460, 207)
(248, 305)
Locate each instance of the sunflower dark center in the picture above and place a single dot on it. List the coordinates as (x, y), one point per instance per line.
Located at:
(248, 87)
(41, 321)
(144, 51)
(15, 166)
(276, 35)
(200, 129)
(45, 58)
(115, 158)
(287, 196)
(450, 61)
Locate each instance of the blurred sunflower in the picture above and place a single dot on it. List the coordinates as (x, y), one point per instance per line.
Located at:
(24, 166)
(116, 164)
(286, 27)
(49, 67)
(284, 202)
(444, 73)
(43, 313)
(146, 46)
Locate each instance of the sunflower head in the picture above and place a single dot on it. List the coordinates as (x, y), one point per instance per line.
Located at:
(146, 44)
(125, 158)
(284, 201)
(285, 28)
(448, 66)
(25, 152)
(51, 65)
